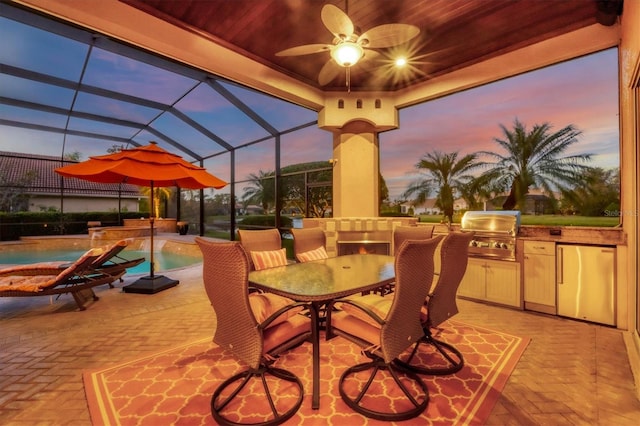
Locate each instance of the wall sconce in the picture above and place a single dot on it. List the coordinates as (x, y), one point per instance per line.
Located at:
(333, 161)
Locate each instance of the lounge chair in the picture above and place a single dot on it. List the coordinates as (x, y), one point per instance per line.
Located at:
(109, 262)
(78, 279)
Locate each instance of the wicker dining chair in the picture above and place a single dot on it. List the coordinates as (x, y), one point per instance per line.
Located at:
(385, 336)
(400, 234)
(405, 232)
(259, 240)
(255, 328)
(309, 244)
(440, 305)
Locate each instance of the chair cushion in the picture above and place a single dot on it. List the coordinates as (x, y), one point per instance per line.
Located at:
(269, 258)
(34, 283)
(265, 304)
(356, 327)
(284, 332)
(379, 305)
(27, 283)
(40, 268)
(315, 254)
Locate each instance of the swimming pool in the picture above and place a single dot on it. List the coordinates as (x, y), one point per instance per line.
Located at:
(164, 261)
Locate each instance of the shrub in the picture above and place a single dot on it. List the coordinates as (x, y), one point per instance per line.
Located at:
(20, 224)
(263, 221)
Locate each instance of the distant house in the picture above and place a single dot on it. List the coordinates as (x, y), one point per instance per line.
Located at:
(43, 189)
(536, 202)
(251, 209)
(429, 207)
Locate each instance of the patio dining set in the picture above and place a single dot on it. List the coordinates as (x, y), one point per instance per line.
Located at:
(389, 306)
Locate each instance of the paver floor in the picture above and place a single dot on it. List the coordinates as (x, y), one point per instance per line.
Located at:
(572, 372)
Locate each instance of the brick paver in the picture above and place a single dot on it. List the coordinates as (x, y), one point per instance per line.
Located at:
(571, 373)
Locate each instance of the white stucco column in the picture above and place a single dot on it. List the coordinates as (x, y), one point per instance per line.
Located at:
(355, 119)
(355, 171)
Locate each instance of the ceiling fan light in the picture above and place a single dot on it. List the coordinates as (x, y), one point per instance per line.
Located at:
(347, 54)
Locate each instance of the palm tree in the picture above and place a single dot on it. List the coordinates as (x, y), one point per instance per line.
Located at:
(261, 191)
(444, 174)
(159, 195)
(534, 159)
(598, 196)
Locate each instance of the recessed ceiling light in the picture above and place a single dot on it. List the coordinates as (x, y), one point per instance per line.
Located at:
(400, 62)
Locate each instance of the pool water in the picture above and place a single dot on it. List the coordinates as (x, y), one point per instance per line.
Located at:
(164, 261)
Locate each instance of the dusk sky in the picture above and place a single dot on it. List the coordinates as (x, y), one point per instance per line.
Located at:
(582, 92)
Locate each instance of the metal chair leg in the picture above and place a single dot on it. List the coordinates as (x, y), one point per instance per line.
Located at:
(218, 405)
(418, 401)
(448, 352)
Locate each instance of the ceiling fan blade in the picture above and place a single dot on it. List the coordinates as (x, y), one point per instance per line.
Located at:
(306, 49)
(336, 21)
(370, 55)
(370, 62)
(329, 71)
(388, 35)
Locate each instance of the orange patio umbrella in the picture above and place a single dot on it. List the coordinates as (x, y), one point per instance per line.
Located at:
(149, 166)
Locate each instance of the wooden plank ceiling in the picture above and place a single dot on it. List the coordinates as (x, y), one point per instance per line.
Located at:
(453, 33)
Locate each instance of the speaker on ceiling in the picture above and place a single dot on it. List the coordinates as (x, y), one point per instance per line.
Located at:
(608, 11)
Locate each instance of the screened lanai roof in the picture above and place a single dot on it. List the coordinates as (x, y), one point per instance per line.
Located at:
(77, 91)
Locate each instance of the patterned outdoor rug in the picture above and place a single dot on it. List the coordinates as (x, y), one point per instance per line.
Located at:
(175, 386)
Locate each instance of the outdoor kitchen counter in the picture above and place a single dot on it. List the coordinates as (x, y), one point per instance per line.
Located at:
(568, 234)
(574, 235)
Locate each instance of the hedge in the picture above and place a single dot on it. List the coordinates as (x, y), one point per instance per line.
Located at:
(22, 224)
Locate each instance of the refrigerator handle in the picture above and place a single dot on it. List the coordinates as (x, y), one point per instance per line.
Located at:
(560, 266)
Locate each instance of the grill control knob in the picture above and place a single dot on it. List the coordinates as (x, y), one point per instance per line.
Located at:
(473, 243)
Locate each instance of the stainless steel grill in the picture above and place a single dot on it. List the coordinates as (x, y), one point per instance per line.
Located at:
(494, 233)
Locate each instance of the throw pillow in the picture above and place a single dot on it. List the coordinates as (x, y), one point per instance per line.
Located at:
(269, 258)
(316, 254)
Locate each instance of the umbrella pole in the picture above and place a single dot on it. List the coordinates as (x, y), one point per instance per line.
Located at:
(151, 221)
(151, 284)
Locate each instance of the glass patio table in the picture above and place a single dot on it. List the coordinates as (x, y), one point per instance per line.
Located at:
(322, 281)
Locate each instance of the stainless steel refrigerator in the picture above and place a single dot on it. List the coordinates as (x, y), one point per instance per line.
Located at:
(586, 282)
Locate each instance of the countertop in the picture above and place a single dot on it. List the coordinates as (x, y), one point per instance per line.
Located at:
(574, 234)
(568, 234)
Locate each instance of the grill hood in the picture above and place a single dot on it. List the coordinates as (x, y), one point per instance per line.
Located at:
(492, 222)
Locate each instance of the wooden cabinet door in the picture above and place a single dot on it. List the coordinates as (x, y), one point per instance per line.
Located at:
(473, 283)
(539, 279)
(539, 273)
(503, 282)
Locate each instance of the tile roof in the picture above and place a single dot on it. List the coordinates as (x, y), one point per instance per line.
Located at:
(14, 167)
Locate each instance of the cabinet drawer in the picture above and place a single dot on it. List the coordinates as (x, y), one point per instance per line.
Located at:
(540, 247)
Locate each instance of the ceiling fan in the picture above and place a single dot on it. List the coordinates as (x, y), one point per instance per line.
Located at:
(349, 47)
